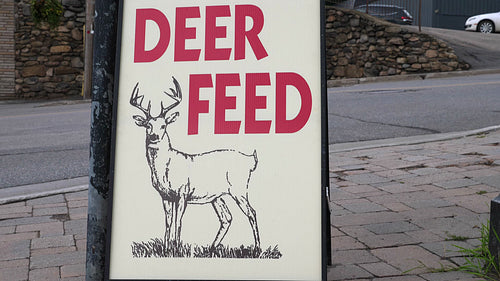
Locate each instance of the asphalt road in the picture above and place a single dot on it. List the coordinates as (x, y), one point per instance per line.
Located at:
(480, 50)
(41, 142)
(408, 108)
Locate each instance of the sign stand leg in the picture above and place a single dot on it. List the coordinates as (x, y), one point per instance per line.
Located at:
(494, 244)
(106, 20)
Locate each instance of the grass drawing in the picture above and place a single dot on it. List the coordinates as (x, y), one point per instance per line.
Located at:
(155, 248)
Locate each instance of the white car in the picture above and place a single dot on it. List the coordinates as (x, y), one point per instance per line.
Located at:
(485, 23)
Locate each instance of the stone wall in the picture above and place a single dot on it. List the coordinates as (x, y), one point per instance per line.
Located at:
(49, 62)
(359, 45)
(7, 54)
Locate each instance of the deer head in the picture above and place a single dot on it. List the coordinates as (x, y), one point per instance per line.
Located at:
(156, 127)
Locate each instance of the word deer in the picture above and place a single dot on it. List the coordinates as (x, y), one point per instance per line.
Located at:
(181, 178)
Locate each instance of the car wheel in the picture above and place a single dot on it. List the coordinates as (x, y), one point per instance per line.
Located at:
(485, 26)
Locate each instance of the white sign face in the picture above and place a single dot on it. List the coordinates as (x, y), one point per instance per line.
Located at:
(217, 168)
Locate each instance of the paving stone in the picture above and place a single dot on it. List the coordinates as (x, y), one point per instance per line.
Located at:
(394, 174)
(7, 229)
(59, 198)
(78, 213)
(410, 257)
(339, 194)
(61, 259)
(424, 236)
(491, 181)
(77, 203)
(28, 220)
(380, 269)
(18, 236)
(400, 278)
(367, 218)
(52, 251)
(428, 179)
(364, 207)
(73, 270)
(366, 178)
(392, 227)
(397, 207)
(53, 242)
(14, 273)
(15, 263)
(399, 188)
(46, 274)
(346, 243)
(387, 240)
(15, 210)
(77, 196)
(360, 189)
(449, 276)
(45, 229)
(356, 231)
(446, 249)
(448, 226)
(15, 249)
(50, 211)
(347, 272)
(79, 278)
(75, 227)
(353, 257)
(430, 213)
(476, 203)
(458, 183)
(429, 203)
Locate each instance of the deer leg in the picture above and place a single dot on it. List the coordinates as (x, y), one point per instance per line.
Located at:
(179, 213)
(225, 219)
(168, 208)
(242, 202)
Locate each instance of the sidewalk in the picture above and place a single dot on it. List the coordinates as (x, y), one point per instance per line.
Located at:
(394, 209)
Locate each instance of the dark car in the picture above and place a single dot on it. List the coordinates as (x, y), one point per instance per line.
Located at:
(390, 13)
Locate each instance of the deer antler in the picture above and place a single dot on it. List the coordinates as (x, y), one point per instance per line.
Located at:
(134, 101)
(176, 95)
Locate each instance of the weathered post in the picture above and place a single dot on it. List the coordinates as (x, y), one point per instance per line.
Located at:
(494, 244)
(106, 21)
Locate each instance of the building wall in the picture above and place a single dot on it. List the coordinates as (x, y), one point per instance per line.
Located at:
(452, 14)
(7, 53)
(49, 62)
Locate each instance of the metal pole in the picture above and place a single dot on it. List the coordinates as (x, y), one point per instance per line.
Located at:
(494, 244)
(89, 36)
(420, 16)
(105, 28)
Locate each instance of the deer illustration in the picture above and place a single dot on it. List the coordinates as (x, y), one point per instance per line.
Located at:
(181, 178)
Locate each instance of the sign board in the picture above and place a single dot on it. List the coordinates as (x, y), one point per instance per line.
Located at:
(217, 165)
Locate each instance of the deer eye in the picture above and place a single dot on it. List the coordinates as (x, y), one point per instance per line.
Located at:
(163, 127)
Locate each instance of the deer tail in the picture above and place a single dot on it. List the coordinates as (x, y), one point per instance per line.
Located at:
(256, 160)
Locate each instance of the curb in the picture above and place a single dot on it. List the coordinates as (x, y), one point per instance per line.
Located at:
(32, 191)
(407, 77)
(352, 146)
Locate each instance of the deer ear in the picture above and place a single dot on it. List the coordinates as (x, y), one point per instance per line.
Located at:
(140, 121)
(172, 118)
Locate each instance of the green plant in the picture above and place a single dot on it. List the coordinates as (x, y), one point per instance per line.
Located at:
(49, 11)
(480, 261)
(453, 237)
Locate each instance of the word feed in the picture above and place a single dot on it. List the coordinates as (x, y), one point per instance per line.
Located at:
(248, 23)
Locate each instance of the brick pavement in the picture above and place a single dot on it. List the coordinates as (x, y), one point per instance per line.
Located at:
(398, 211)
(394, 209)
